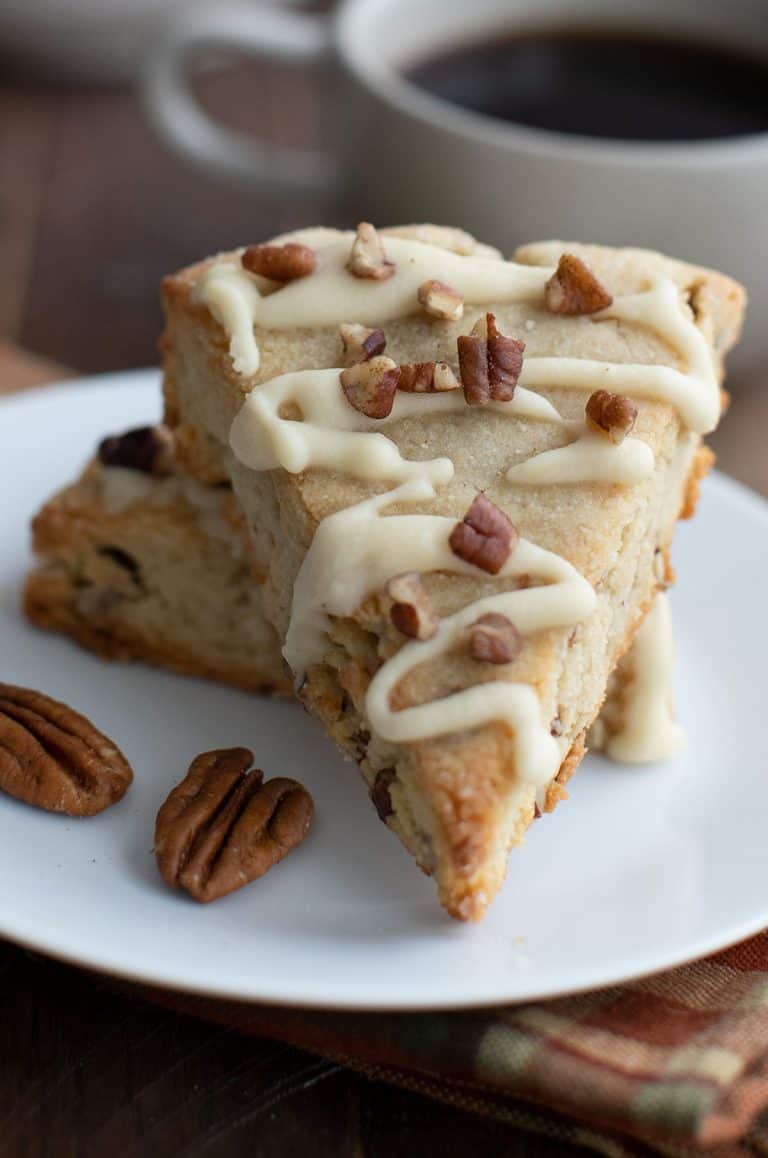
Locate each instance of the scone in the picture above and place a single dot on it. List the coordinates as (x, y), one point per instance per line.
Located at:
(461, 477)
(138, 561)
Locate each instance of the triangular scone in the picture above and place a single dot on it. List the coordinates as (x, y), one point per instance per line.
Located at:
(459, 752)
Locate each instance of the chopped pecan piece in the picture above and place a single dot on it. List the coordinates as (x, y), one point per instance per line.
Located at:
(380, 795)
(573, 289)
(54, 758)
(286, 262)
(494, 639)
(485, 536)
(146, 449)
(411, 610)
(613, 415)
(426, 378)
(489, 363)
(224, 826)
(367, 258)
(440, 301)
(370, 386)
(361, 343)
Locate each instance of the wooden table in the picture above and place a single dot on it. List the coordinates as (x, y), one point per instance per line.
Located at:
(92, 213)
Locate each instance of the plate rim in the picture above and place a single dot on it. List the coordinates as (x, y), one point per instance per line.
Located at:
(734, 491)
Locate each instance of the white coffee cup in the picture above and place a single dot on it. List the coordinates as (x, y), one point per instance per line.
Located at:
(406, 155)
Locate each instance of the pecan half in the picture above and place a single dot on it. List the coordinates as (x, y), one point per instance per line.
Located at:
(613, 415)
(224, 826)
(370, 386)
(411, 610)
(573, 289)
(361, 343)
(489, 363)
(54, 758)
(380, 794)
(440, 301)
(426, 378)
(286, 262)
(485, 536)
(147, 449)
(494, 639)
(367, 258)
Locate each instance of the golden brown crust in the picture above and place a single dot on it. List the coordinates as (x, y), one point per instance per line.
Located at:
(702, 465)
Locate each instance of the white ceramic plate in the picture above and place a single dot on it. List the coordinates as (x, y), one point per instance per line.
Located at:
(642, 869)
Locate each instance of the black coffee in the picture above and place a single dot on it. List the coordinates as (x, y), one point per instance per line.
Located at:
(606, 84)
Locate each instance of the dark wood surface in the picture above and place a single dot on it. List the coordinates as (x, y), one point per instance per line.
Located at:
(92, 213)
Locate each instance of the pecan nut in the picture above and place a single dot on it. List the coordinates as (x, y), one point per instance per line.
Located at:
(411, 611)
(426, 378)
(370, 386)
(573, 289)
(494, 639)
(286, 262)
(440, 301)
(489, 363)
(54, 758)
(380, 792)
(146, 449)
(484, 537)
(367, 258)
(224, 826)
(613, 415)
(360, 343)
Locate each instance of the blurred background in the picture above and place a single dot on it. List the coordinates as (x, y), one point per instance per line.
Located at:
(94, 210)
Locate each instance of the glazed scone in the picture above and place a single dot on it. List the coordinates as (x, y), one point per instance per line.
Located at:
(149, 565)
(347, 484)
(141, 562)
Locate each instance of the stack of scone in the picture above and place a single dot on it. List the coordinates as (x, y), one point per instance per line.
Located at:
(433, 490)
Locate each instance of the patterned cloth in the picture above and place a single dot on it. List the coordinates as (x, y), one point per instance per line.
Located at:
(674, 1064)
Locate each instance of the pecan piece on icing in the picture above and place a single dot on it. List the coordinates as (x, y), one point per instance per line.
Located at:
(613, 415)
(485, 536)
(360, 343)
(493, 638)
(286, 262)
(440, 300)
(367, 258)
(146, 449)
(54, 758)
(426, 378)
(411, 610)
(573, 289)
(489, 363)
(370, 386)
(223, 826)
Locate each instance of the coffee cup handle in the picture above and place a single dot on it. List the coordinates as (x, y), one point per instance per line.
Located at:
(238, 27)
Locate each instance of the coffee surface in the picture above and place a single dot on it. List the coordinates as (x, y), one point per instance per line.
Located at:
(605, 84)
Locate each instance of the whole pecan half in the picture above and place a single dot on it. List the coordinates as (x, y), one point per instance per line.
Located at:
(489, 363)
(573, 289)
(286, 262)
(147, 449)
(485, 536)
(54, 758)
(224, 826)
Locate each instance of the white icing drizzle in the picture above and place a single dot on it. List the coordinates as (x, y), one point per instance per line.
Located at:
(591, 457)
(356, 550)
(335, 436)
(648, 732)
